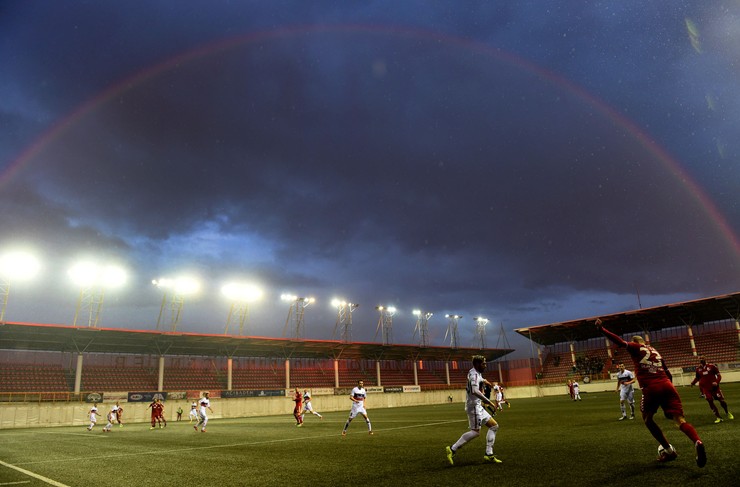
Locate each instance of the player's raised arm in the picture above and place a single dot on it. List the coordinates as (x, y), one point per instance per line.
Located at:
(609, 335)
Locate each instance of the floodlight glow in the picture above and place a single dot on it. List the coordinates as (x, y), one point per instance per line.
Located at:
(182, 285)
(481, 320)
(88, 274)
(112, 276)
(19, 266)
(84, 274)
(337, 303)
(241, 292)
(186, 285)
(288, 297)
(391, 309)
(416, 312)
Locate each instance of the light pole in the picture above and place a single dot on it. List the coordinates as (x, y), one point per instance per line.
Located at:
(452, 329)
(14, 267)
(385, 323)
(240, 295)
(480, 331)
(422, 326)
(343, 327)
(296, 311)
(177, 288)
(93, 279)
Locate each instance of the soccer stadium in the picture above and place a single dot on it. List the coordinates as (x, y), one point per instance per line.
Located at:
(51, 376)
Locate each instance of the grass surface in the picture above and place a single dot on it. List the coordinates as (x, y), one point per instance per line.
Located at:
(543, 441)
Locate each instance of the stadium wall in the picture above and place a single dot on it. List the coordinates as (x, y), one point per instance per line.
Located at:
(44, 414)
(32, 415)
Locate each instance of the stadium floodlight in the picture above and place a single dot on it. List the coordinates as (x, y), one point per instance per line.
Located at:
(19, 266)
(343, 326)
(480, 331)
(15, 266)
(93, 279)
(176, 289)
(422, 326)
(452, 320)
(241, 295)
(296, 314)
(385, 323)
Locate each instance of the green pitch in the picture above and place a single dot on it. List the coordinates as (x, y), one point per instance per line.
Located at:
(543, 441)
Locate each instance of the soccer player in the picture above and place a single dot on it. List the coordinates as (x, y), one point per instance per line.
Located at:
(626, 391)
(119, 414)
(298, 409)
(179, 413)
(498, 391)
(357, 396)
(708, 377)
(157, 413)
(205, 403)
(658, 391)
(111, 417)
(576, 391)
(477, 415)
(307, 407)
(93, 416)
(569, 384)
(193, 415)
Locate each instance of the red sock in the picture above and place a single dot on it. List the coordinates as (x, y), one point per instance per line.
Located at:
(689, 431)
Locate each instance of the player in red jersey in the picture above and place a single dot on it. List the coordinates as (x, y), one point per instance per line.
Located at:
(298, 410)
(708, 377)
(657, 392)
(157, 413)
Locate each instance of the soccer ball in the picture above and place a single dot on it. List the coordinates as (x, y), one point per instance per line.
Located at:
(662, 451)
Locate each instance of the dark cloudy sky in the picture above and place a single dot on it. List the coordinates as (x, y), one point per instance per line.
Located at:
(526, 161)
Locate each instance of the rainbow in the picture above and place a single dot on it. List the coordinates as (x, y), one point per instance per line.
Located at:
(670, 163)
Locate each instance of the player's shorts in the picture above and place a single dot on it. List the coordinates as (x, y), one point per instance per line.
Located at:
(307, 407)
(661, 395)
(714, 393)
(357, 408)
(627, 394)
(499, 397)
(477, 417)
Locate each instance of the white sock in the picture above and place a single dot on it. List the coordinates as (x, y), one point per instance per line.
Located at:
(466, 437)
(491, 439)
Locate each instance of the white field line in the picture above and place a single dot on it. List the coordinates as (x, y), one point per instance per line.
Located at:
(248, 443)
(34, 475)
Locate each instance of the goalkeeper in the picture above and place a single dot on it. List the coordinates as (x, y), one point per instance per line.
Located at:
(480, 411)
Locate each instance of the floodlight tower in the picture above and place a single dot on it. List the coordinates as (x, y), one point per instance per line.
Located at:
(93, 280)
(480, 331)
(385, 323)
(422, 326)
(343, 327)
(177, 288)
(240, 295)
(452, 329)
(298, 305)
(15, 266)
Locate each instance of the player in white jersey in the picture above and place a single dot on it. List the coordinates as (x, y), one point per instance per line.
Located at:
(477, 414)
(193, 412)
(626, 391)
(111, 417)
(205, 403)
(93, 416)
(576, 391)
(498, 391)
(357, 396)
(307, 407)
